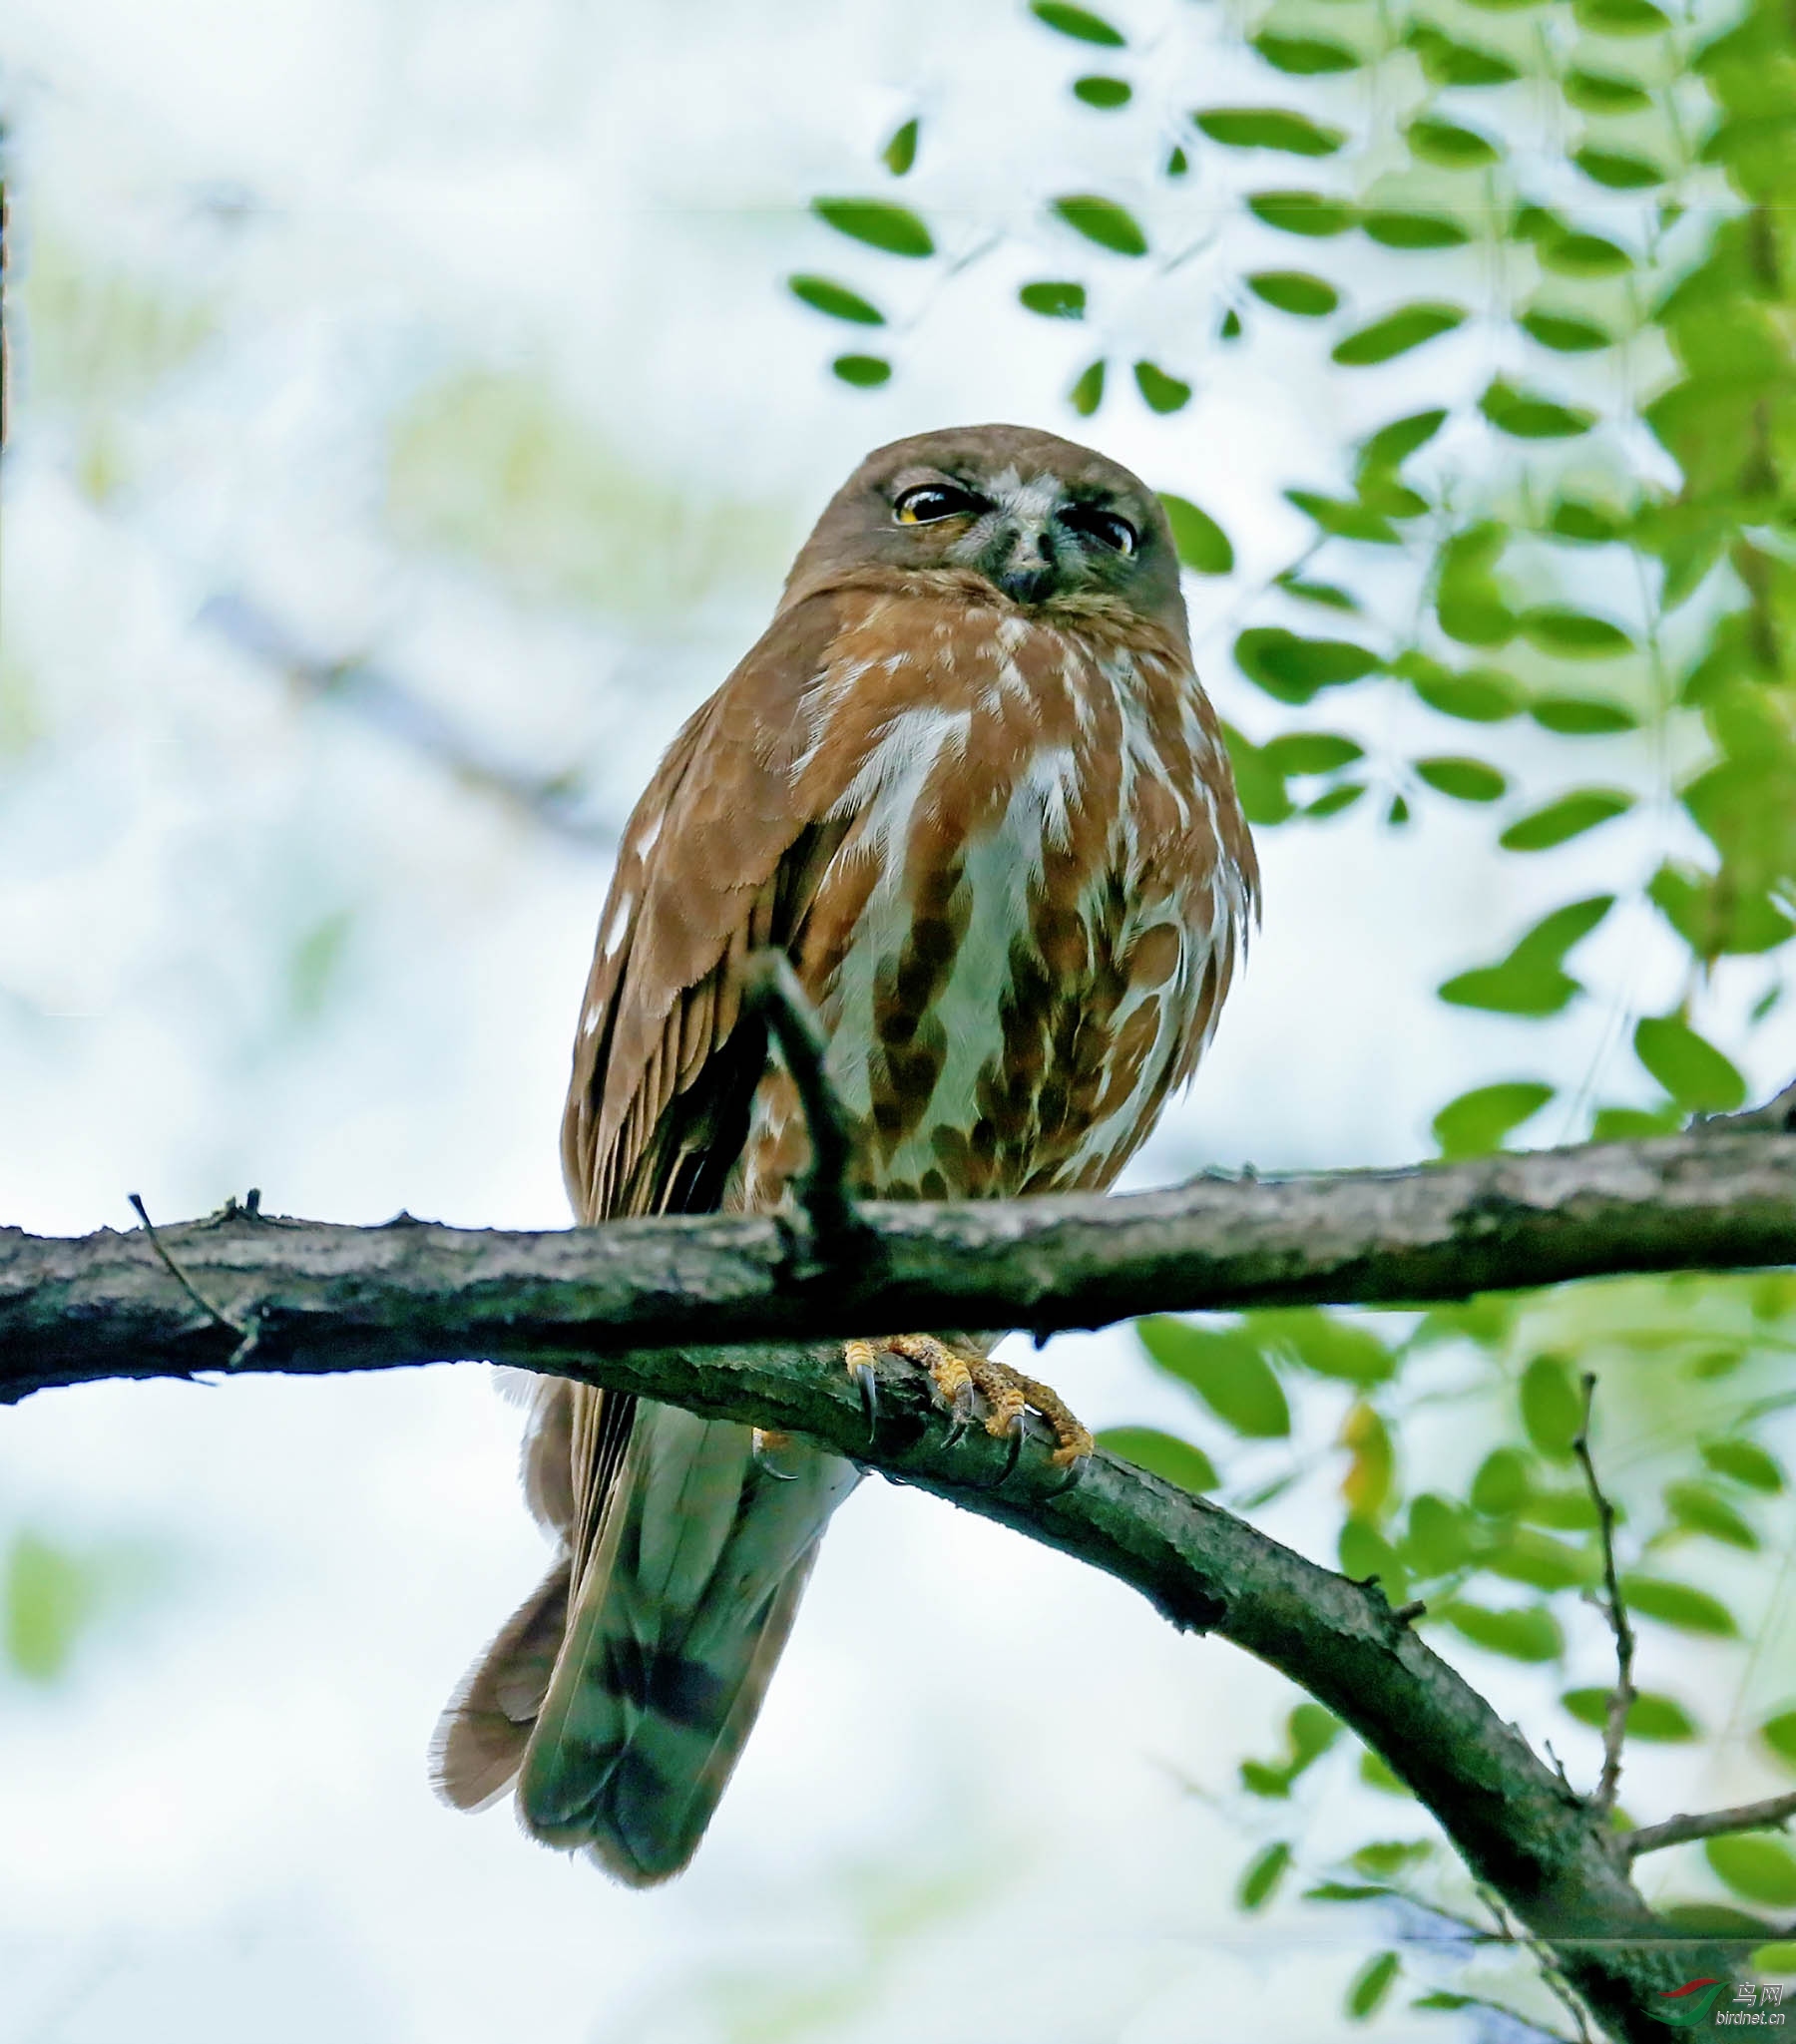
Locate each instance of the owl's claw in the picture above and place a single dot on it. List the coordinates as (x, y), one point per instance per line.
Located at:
(760, 1441)
(958, 1375)
(858, 1356)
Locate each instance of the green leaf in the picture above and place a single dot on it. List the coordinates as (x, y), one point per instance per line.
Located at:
(1311, 1731)
(1077, 22)
(1054, 298)
(1760, 1868)
(1449, 63)
(1573, 634)
(1650, 1716)
(1338, 1348)
(1779, 1734)
(1345, 520)
(1391, 446)
(901, 151)
(48, 1599)
(1522, 415)
(1259, 788)
(1376, 1774)
(1620, 16)
(1745, 1462)
(1371, 1984)
(1366, 1554)
(1087, 393)
(1227, 1372)
(1439, 1539)
(1160, 392)
(1104, 222)
(1687, 1065)
(1630, 1124)
(1105, 94)
(1269, 127)
(1393, 229)
(1201, 542)
(1543, 1563)
(1464, 780)
(1530, 1633)
(1396, 334)
(1264, 1873)
(1532, 981)
(1599, 92)
(1617, 172)
(1161, 1455)
(1700, 1509)
(1576, 517)
(835, 302)
(1301, 212)
(1451, 147)
(895, 229)
(1294, 670)
(1679, 1605)
(1479, 1120)
(865, 372)
(1478, 696)
(1574, 254)
(1327, 594)
(1294, 291)
(1308, 752)
(1571, 816)
(1566, 337)
(1501, 1487)
(1303, 56)
(1387, 1858)
(1551, 1411)
(1574, 716)
(1334, 801)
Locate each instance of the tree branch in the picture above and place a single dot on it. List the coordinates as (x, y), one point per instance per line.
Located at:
(331, 1298)
(1622, 1697)
(627, 1307)
(1771, 1815)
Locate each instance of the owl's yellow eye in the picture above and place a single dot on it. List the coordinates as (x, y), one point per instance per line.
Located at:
(929, 502)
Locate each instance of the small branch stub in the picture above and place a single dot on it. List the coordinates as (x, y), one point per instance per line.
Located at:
(772, 991)
(1771, 1815)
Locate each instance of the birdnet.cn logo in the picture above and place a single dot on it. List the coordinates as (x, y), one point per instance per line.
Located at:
(1752, 2004)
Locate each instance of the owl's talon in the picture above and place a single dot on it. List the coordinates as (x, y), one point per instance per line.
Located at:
(960, 1374)
(759, 1443)
(858, 1356)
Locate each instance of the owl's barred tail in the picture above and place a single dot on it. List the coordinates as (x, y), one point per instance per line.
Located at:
(670, 1637)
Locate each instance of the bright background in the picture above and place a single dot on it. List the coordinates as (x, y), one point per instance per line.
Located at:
(449, 336)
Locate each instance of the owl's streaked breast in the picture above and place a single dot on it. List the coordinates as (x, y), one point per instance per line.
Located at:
(1022, 940)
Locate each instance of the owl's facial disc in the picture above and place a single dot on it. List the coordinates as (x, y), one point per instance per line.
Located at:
(1032, 538)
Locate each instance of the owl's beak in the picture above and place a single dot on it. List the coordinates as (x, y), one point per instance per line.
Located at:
(1029, 571)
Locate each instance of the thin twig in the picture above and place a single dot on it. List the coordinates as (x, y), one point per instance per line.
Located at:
(181, 1277)
(1771, 1815)
(1614, 1730)
(771, 989)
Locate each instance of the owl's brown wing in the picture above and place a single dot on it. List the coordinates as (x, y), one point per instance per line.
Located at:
(715, 863)
(683, 1562)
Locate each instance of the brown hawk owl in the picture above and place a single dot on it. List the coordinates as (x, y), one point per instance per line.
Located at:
(969, 784)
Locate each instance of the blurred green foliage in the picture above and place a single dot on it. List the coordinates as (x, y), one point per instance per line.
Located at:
(1571, 227)
(500, 469)
(55, 1597)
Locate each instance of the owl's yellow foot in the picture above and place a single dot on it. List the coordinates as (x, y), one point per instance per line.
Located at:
(960, 1374)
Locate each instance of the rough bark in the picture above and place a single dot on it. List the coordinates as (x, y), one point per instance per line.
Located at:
(320, 1297)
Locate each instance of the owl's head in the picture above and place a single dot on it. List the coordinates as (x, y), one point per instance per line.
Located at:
(1038, 517)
